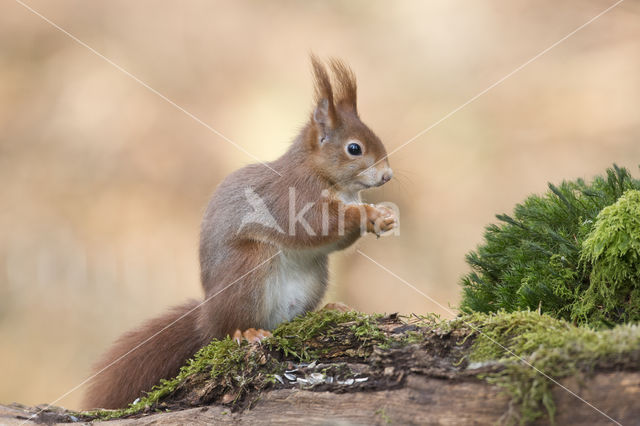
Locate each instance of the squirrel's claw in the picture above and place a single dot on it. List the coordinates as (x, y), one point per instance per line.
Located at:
(251, 335)
(337, 306)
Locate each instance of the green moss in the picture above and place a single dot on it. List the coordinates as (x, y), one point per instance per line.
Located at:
(412, 337)
(382, 412)
(556, 247)
(612, 249)
(530, 344)
(574, 254)
(296, 337)
(226, 360)
(234, 366)
(527, 347)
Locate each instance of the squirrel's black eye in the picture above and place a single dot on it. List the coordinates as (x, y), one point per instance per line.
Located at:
(354, 149)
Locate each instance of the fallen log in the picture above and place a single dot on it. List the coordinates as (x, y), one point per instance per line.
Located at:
(350, 368)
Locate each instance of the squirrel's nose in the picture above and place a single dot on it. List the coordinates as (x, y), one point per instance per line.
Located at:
(387, 175)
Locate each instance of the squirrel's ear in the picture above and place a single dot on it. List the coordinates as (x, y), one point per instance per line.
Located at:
(346, 88)
(324, 115)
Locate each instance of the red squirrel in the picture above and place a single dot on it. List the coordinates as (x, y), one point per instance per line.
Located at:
(262, 264)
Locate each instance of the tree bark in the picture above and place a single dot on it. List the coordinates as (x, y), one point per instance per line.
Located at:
(420, 400)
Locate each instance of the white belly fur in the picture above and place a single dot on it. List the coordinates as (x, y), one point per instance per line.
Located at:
(296, 283)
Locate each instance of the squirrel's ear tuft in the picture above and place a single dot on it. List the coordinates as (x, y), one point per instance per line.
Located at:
(324, 114)
(346, 88)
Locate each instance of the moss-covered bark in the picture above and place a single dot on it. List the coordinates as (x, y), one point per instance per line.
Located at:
(353, 352)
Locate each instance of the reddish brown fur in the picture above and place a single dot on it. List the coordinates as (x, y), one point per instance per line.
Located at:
(346, 96)
(158, 358)
(323, 89)
(240, 291)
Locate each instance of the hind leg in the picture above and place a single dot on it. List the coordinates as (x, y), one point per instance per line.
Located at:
(337, 306)
(251, 335)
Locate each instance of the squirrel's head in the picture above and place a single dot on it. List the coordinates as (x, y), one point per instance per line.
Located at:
(343, 148)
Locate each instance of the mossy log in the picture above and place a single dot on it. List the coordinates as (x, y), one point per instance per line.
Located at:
(351, 368)
(420, 400)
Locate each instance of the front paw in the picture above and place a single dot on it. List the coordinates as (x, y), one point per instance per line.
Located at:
(380, 219)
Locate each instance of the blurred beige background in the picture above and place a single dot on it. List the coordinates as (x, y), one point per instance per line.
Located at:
(103, 183)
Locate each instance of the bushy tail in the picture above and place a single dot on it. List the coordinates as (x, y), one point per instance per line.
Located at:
(141, 357)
